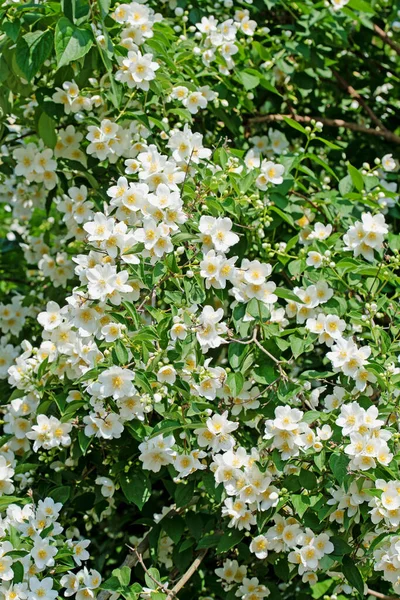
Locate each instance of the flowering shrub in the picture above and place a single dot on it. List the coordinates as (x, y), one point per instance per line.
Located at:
(200, 332)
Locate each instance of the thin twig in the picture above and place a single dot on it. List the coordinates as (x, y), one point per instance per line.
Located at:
(354, 94)
(384, 36)
(185, 578)
(380, 595)
(145, 569)
(388, 135)
(131, 559)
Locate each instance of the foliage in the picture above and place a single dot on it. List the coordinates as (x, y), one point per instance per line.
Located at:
(199, 263)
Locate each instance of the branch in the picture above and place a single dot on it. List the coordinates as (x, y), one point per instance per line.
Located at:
(185, 578)
(380, 596)
(384, 36)
(131, 559)
(388, 135)
(354, 94)
(145, 569)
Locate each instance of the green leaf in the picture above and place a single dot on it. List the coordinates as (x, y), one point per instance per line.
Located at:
(339, 464)
(287, 295)
(356, 177)
(32, 50)
(47, 130)
(136, 487)
(300, 503)
(284, 215)
(121, 353)
(352, 574)
(308, 479)
(345, 185)
(235, 382)
(209, 541)
(249, 80)
(329, 144)
(151, 575)
(42, 367)
(11, 28)
(18, 572)
(322, 164)
(184, 493)
(84, 442)
(71, 42)
(362, 6)
(61, 494)
(297, 345)
(321, 588)
(174, 527)
(340, 546)
(104, 6)
(229, 540)
(294, 125)
(111, 584)
(123, 574)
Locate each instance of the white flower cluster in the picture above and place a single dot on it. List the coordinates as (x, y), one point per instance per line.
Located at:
(59, 269)
(137, 70)
(312, 297)
(231, 574)
(366, 235)
(36, 164)
(35, 532)
(68, 145)
(275, 142)
(69, 95)
(290, 434)
(368, 441)
(138, 20)
(387, 559)
(77, 209)
(220, 39)
(270, 173)
(351, 360)
(23, 197)
(157, 452)
(13, 316)
(110, 141)
(8, 353)
(249, 488)
(193, 100)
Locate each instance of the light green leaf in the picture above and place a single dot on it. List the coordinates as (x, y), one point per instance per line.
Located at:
(71, 42)
(356, 177)
(249, 80)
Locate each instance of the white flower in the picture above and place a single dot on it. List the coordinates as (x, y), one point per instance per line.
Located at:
(321, 232)
(41, 590)
(210, 328)
(107, 486)
(166, 374)
(43, 553)
(314, 259)
(6, 572)
(270, 173)
(137, 70)
(259, 546)
(115, 382)
(51, 318)
(157, 452)
(388, 162)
